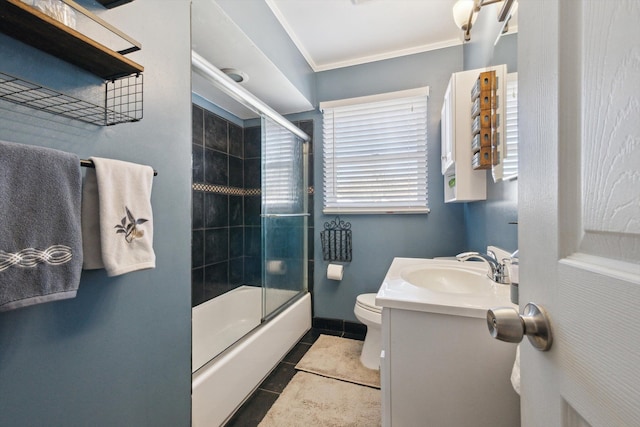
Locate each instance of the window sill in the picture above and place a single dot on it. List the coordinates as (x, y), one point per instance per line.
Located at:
(372, 211)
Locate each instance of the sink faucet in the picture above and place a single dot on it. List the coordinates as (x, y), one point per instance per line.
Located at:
(498, 272)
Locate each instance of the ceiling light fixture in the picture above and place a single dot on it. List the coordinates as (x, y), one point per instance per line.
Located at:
(465, 13)
(236, 75)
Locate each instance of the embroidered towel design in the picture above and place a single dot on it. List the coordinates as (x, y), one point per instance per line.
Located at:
(40, 233)
(130, 230)
(30, 257)
(117, 219)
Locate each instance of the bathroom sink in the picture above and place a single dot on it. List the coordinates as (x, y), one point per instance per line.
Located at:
(441, 286)
(447, 279)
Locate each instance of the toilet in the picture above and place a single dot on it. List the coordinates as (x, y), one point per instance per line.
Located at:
(370, 314)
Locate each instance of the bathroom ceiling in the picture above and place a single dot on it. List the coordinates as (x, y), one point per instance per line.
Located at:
(222, 43)
(337, 33)
(328, 33)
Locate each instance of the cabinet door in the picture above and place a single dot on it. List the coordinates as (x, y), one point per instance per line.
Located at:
(447, 131)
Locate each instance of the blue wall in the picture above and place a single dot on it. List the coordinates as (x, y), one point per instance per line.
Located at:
(118, 354)
(487, 222)
(449, 228)
(260, 24)
(377, 239)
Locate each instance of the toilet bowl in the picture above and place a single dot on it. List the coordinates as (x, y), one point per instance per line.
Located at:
(370, 314)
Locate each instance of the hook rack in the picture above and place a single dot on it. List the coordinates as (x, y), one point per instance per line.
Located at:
(336, 241)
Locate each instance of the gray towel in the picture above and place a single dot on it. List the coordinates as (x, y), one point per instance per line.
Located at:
(40, 234)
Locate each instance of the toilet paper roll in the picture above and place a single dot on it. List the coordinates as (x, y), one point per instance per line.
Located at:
(334, 271)
(276, 267)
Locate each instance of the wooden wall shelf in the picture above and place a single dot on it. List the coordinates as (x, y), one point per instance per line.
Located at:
(30, 26)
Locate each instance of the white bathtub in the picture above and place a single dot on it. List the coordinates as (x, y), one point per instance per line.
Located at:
(219, 386)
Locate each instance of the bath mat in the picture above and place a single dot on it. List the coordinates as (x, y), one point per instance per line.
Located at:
(339, 358)
(313, 400)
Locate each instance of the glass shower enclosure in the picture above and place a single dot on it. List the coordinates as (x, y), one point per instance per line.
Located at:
(283, 216)
(275, 274)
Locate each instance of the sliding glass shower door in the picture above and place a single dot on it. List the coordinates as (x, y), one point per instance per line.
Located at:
(284, 216)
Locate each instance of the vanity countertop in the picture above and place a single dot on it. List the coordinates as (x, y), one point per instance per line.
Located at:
(441, 286)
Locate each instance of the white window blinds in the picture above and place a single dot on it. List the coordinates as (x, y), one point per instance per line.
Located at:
(282, 181)
(510, 168)
(375, 153)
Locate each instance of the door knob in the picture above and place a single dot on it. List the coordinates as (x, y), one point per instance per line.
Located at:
(507, 325)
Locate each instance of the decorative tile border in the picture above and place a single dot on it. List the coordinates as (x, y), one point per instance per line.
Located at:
(219, 189)
(231, 191)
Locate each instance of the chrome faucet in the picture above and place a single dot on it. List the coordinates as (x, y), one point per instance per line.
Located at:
(498, 272)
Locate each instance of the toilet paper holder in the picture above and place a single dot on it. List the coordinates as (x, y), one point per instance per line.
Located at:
(336, 241)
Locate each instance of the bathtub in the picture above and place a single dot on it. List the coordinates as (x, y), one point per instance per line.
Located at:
(220, 385)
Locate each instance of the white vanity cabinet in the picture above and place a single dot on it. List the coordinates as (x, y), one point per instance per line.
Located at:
(461, 182)
(445, 370)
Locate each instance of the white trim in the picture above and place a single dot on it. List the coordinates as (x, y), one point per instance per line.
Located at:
(292, 35)
(421, 91)
(317, 67)
(364, 211)
(382, 56)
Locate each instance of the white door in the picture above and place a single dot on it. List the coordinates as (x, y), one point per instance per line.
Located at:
(579, 212)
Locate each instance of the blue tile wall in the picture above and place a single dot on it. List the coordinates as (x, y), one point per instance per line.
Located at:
(226, 224)
(216, 135)
(236, 138)
(216, 210)
(216, 167)
(217, 217)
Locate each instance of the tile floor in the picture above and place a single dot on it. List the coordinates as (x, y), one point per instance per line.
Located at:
(256, 407)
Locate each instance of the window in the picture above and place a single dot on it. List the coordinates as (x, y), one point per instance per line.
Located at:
(282, 170)
(510, 167)
(375, 153)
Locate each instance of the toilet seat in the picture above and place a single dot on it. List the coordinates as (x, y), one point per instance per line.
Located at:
(368, 302)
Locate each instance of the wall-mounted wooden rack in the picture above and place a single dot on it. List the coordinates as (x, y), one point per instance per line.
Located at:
(45, 33)
(484, 118)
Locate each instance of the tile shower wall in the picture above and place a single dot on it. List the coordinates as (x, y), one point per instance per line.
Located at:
(217, 247)
(252, 204)
(226, 227)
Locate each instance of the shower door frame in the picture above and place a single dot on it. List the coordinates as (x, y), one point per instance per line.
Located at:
(267, 219)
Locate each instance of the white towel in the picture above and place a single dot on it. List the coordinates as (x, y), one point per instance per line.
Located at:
(515, 371)
(117, 219)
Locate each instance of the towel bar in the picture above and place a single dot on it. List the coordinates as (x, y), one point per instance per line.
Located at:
(89, 164)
